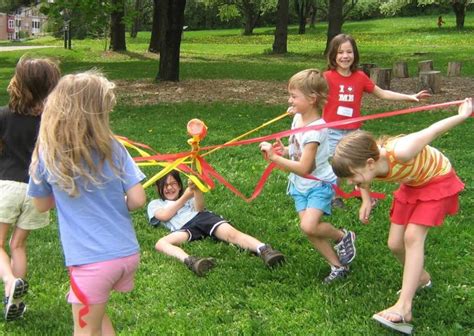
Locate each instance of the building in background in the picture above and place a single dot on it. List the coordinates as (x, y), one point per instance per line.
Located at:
(24, 23)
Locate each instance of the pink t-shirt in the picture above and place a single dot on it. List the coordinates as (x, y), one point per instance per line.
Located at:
(345, 96)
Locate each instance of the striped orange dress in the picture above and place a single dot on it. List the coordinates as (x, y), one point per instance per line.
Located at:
(429, 187)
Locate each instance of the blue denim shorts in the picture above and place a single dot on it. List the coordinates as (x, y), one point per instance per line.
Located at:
(319, 197)
(335, 135)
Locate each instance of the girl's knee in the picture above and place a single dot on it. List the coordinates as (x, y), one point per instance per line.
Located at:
(310, 229)
(160, 245)
(396, 245)
(412, 238)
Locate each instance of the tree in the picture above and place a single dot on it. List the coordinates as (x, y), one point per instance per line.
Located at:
(87, 17)
(391, 7)
(337, 12)
(171, 20)
(137, 18)
(335, 20)
(281, 32)
(154, 46)
(249, 10)
(303, 9)
(117, 26)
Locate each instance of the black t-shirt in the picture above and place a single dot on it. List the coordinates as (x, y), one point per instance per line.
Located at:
(18, 135)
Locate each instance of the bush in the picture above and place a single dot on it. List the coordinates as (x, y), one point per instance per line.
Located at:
(365, 9)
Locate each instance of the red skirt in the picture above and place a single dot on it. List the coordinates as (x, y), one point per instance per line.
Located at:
(428, 204)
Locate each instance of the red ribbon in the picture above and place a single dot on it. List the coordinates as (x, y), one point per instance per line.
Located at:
(208, 172)
(82, 299)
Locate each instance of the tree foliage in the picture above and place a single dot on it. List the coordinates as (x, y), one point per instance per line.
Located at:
(8, 6)
(249, 10)
(87, 18)
(392, 7)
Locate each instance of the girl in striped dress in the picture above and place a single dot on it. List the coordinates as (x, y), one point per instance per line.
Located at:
(428, 192)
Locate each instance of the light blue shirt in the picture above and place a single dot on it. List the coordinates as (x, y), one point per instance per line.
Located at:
(96, 225)
(323, 170)
(184, 215)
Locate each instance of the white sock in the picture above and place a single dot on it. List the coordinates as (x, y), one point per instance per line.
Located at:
(259, 247)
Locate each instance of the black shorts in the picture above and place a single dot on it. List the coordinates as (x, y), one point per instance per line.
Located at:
(203, 225)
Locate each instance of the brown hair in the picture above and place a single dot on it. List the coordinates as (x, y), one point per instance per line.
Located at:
(334, 48)
(34, 79)
(311, 83)
(160, 184)
(353, 151)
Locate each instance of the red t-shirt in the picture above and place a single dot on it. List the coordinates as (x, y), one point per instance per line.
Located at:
(345, 96)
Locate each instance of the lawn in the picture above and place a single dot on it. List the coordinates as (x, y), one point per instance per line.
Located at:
(240, 296)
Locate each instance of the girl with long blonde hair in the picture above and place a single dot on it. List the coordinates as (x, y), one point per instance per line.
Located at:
(80, 168)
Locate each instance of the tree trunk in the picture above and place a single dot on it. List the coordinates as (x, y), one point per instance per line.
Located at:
(335, 20)
(425, 66)
(400, 70)
(300, 10)
(381, 77)
(281, 32)
(154, 46)
(430, 80)
(171, 18)
(459, 8)
(251, 15)
(454, 69)
(117, 28)
(137, 20)
(312, 16)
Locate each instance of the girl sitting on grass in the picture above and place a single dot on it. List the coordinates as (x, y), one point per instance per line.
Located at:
(428, 192)
(182, 211)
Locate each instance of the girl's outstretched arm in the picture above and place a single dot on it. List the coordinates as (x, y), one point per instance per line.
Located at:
(410, 145)
(165, 214)
(392, 95)
(198, 196)
(302, 167)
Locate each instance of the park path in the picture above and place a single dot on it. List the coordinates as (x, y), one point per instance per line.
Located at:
(23, 48)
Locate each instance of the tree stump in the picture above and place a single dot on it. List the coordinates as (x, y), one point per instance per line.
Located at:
(366, 67)
(381, 77)
(454, 69)
(425, 66)
(400, 70)
(430, 80)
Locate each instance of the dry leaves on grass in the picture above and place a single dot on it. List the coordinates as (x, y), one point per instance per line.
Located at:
(146, 92)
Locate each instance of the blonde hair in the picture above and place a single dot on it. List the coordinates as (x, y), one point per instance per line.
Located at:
(33, 80)
(352, 152)
(75, 129)
(312, 84)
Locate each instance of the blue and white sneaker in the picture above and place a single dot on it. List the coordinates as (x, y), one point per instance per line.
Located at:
(14, 305)
(345, 249)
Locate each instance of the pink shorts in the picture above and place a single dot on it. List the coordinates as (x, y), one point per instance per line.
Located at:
(97, 280)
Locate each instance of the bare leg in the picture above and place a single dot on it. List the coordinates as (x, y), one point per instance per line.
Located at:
(396, 243)
(319, 234)
(18, 252)
(168, 245)
(107, 326)
(414, 239)
(228, 233)
(94, 321)
(6, 272)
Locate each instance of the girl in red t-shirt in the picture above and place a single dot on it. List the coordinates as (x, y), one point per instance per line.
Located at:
(347, 85)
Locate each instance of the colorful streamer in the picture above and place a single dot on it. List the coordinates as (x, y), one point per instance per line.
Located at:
(193, 164)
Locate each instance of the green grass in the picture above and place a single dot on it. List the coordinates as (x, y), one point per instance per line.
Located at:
(241, 296)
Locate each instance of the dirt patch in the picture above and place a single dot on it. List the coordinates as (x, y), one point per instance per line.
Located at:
(144, 92)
